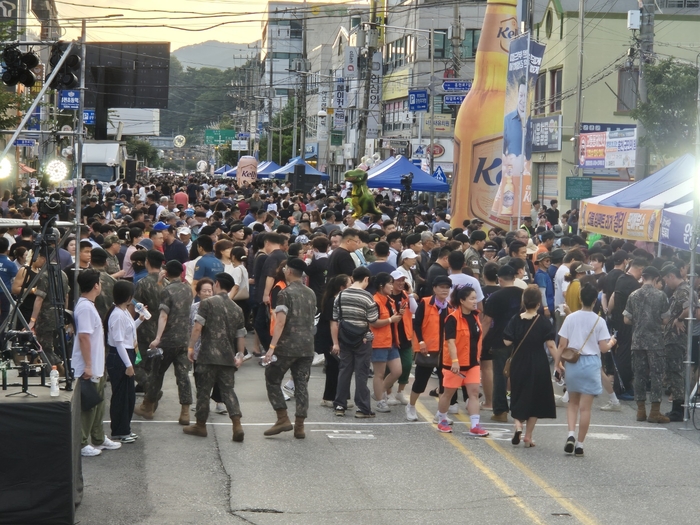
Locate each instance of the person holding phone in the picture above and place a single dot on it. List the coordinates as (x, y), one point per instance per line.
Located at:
(460, 363)
(406, 303)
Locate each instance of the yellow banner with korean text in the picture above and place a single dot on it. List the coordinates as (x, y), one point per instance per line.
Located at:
(623, 223)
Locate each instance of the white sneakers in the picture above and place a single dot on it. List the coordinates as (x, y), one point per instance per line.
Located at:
(220, 408)
(611, 407)
(411, 414)
(437, 421)
(319, 359)
(89, 451)
(382, 406)
(392, 400)
(454, 409)
(401, 398)
(108, 444)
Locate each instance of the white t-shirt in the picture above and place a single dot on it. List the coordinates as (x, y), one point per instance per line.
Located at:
(560, 285)
(240, 277)
(122, 333)
(576, 328)
(462, 279)
(87, 321)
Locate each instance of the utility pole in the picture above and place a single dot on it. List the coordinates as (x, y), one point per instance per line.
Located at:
(456, 41)
(579, 83)
(646, 51)
(272, 94)
(432, 99)
(294, 124)
(364, 110)
(302, 138)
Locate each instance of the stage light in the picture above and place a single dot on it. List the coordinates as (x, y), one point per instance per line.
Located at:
(5, 168)
(56, 170)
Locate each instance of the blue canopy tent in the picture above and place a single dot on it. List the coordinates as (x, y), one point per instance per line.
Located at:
(266, 168)
(289, 168)
(388, 175)
(231, 172)
(223, 169)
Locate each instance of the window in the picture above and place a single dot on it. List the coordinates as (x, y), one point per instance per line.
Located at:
(443, 48)
(627, 89)
(540, 94)
(555, 78)
(296, 30)
(470, 43)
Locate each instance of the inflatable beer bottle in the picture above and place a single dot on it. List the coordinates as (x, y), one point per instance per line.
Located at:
(478, 140)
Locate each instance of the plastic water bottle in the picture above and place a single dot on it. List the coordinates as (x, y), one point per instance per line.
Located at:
(53, 377)
(154, 352)
(272, 360)
(141, 310)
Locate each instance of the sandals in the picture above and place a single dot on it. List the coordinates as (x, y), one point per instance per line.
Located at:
(528, 444)
(516, 436)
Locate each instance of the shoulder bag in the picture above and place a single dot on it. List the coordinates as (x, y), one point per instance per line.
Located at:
(349, 335)
(571, 354)
(506, 369)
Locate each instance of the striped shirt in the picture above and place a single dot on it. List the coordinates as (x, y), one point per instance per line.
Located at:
(358, 307)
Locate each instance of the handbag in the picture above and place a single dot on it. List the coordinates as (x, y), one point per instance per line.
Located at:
(430, 360)
(349, 335)
(89, 397)
(506, 368)
(571, 354)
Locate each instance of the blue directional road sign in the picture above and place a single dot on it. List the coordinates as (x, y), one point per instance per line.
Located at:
(89, 117)
(243, 135)
(457, 85)
(439, 175)
(454, 100)
(25, 143)
(418, 100)
(68, 99)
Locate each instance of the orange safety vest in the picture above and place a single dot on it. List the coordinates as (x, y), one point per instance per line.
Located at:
(384, 336)
(432, 331)
(463, 342)
(407, 316)
(281, 285)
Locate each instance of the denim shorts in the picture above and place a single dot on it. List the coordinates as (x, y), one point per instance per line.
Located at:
(382, 355)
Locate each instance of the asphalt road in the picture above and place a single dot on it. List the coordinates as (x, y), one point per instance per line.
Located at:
(387, 470)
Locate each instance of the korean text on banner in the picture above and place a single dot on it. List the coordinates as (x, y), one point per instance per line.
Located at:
(633, 224)
(676, 230)
(514, 195)
(375, 98)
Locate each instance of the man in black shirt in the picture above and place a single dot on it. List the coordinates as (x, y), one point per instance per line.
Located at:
(500, 308)
(264, 280)
(625, 285)
(92, 209)
(340, 261)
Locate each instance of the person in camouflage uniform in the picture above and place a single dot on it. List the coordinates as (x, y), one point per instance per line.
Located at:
(148, 292)
(293, 344)
(43, 319)
(103, 303)
(172, 336)
(220, 323)
(472, 258)
(112, 247)
(644, 310)
(676, 338)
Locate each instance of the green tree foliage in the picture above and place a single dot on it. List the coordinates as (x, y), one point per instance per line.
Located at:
(10, 102)
(287, 136)
(143, 151)
(670, 114)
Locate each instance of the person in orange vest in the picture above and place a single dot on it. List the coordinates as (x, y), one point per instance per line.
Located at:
(403, 297)
(460, 363)
(428, 327)
(385, 351)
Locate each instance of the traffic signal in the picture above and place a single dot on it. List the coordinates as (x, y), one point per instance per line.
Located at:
(18, 66)
(69, 75)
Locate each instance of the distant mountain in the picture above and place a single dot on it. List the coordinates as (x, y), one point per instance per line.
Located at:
(215, 54)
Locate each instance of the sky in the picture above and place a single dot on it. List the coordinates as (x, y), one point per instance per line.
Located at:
(181, 22)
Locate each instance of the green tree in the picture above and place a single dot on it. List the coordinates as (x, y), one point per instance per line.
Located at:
(287, 131)
(143, 151)
(11, 104)
(670, 114)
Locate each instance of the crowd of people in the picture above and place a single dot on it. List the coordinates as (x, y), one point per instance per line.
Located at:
(177, 272)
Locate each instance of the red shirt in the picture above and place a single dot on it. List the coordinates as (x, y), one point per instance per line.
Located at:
(181, 198)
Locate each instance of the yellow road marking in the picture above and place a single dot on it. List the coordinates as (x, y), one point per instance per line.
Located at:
(565, 501)
(490, 474)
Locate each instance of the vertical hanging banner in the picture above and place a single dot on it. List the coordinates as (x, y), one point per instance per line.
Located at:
(514, 195)
(375, 98)
(350, 63)
(339, 104)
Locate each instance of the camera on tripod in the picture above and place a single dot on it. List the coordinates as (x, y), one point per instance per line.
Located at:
(407, 192)
(51, 206)
(19, 342)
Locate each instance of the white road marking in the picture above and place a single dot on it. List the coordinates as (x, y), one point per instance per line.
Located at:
(599, 435)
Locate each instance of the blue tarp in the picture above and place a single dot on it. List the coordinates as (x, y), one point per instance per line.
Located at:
(289, 168)
(266, 168)
(667, 178)
(388, 175)
(223, 169)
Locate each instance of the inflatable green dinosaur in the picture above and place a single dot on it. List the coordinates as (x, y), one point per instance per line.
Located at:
(362, 198)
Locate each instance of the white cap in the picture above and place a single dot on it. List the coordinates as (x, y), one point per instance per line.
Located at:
(396, 274)
(184, 231)
(408, 254)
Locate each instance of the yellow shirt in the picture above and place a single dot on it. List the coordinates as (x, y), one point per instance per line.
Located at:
(572, 296)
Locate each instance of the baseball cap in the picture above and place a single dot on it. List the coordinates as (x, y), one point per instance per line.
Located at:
(408, 254)
(558, 254)
(544, 255)
(374, 237)
(651, 272)
(160, 226)
(442, 280)
(396, 274)
(297, 264)
(184, 231)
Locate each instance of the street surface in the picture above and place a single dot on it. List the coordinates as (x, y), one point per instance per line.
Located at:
(387, 470)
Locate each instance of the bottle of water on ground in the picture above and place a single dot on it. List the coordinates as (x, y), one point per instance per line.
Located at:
(53, 380)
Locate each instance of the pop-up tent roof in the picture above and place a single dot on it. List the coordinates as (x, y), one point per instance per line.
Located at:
(223, 169)
(388, 174)
(266, 168)
(289, 168)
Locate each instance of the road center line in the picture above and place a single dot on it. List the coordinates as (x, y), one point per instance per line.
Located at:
(580, 514)
(490, 474)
